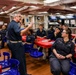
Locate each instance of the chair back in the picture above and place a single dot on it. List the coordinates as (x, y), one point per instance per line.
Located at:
(5, 62)
(6, 54)
(13, 65)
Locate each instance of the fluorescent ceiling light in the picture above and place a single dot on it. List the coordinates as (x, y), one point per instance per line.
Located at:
(69, 16)
(43, 12)
(34, 7)
(57, 13)
(50, 1)
(62, 17)
(3, 7)
(74, 7)
(25, 7)
(6, 11)
(2, 12)
(13, 8)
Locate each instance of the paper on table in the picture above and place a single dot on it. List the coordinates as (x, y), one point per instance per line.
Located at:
(44, 40)
(52, 42)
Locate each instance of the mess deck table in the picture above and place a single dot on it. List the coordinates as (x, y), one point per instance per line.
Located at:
(73, 35)
(45, 43)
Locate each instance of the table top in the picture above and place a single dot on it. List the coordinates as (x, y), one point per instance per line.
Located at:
(73, 35)
(45, 43)
(24, 38)
(42, 42)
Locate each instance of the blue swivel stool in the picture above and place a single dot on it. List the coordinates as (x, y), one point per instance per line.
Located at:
(10, 64)
(73, 68)
(6, 54)
(13, 68)
(35, 53)
(28, 47)
(5, 62)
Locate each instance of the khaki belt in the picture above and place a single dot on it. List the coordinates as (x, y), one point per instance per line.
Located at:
(15, 41)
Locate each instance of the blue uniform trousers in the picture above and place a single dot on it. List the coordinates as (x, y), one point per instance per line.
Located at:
(18, 53)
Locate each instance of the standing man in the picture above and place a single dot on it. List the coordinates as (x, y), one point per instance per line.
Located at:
(15, 41)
